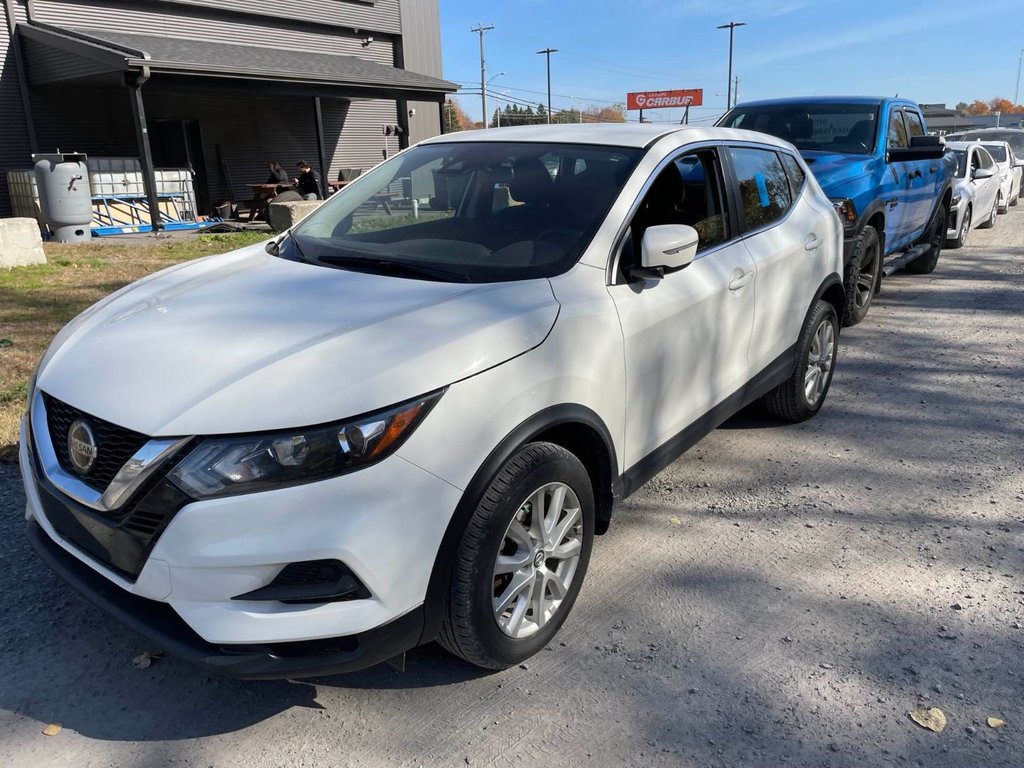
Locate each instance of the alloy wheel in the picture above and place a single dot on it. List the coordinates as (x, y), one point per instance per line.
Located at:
(537, 560)
(965, 227)
(820, 359)
(866, 278)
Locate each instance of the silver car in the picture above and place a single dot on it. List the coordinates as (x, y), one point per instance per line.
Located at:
(975, 192)
(1009, 172)
(1012, 136)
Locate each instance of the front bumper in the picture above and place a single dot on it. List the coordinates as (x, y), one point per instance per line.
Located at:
(159, 623)
(953, 225)
(384, 522)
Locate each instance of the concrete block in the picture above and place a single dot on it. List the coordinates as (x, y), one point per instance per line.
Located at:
(20, 243)
(286, 215)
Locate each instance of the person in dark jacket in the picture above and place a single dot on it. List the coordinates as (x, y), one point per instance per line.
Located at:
(307, 183)
(278, 175)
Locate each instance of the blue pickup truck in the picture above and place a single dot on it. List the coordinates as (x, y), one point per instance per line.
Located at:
(890, 182)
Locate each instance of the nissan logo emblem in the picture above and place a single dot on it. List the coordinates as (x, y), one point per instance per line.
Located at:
(82, 446)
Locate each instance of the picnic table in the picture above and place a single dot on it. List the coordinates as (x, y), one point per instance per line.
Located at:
(260, 192)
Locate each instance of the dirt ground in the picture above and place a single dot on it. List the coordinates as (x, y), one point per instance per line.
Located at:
(782, 595)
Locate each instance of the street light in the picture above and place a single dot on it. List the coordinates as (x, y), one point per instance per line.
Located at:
(486, 122)
(1016, 91)
(731, 26)
(547, 52)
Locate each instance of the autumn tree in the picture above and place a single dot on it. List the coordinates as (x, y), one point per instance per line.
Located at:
(614, 113)
(978, 107)
(455, 117)
(1003, 106)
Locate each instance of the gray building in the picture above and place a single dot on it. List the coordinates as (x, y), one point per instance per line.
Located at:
(942, 120)
(219, 86)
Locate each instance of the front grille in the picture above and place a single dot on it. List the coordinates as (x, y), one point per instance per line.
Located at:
(114, 444)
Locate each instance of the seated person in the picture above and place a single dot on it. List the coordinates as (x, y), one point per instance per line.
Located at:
(307, 183)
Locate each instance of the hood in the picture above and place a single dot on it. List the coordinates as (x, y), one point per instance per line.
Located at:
(248, 342)
(835, 172)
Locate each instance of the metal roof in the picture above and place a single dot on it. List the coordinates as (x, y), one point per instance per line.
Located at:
(187, 56)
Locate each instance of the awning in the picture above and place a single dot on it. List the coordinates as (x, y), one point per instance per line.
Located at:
(72, 54)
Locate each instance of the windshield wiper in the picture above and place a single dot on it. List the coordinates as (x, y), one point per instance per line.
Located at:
(387, 266)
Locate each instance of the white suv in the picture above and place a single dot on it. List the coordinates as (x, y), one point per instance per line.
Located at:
(405, 419)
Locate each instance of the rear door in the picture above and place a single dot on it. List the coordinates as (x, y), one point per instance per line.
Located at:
(784, 232)
(895, 186)
(923, 178)
(985, 190)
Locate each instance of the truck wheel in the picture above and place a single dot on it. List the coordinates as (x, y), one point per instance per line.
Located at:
(802, 394)
(522, 559)
(860, 277)
(961, 235)
(925, 263)
(991, 220)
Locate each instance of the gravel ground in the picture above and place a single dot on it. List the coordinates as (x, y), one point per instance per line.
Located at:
(781, 595)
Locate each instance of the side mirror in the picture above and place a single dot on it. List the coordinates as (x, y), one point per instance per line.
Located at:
(921, 148)
(982, 173)
(665, 248)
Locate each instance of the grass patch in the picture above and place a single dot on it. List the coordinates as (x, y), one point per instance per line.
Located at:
(36, 301)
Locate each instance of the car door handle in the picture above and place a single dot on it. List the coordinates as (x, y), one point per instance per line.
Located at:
(812, 242)
(915, 174)
(740, 280)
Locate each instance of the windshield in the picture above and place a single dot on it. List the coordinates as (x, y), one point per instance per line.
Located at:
(1014, 138)
(997, 151)
(842, 128)
(469, 211)
(961, 162)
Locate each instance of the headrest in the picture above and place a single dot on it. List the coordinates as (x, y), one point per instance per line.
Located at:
(531, 183)
(801, 128)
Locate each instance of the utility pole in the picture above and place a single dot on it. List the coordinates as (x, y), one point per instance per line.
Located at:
(547, 52)
(1016, 91)
(480, 29)
(736, 91)
(731, 26)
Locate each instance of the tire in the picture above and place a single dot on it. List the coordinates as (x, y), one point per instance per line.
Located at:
(860, 277)
(965, 229)
(790, 400)
(991, 220)
(470, 624)
(1014, 200)
(1001, 205)
(925, 263)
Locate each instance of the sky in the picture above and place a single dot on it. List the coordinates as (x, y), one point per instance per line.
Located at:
(931, 51)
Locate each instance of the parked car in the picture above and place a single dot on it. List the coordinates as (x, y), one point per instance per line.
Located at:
(887, 179)
(382, 430)
(1008, 170)
(1012, 136)
(976, 193)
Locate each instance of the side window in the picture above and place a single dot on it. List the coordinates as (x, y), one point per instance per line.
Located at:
(688, 191)
(763, 186)
(795, 173)
(914, 125)
(984, 159)
(897, 136)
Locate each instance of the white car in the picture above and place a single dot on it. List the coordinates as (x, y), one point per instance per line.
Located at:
(1012, 136)
(385, 428)
(1008, 169)
(975, 192)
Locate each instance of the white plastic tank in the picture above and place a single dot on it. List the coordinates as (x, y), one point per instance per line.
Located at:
(65, 200)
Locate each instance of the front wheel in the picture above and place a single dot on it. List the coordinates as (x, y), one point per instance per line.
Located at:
(522, 559)
(861, 276)
(1001, 205)
(803, 393)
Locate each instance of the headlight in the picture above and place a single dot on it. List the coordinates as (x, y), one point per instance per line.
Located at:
(846, 210)
(955, 201)
(225, 466)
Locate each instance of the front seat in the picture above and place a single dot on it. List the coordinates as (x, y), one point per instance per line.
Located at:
(532, 186)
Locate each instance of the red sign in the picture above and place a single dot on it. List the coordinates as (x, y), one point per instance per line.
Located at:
(665, 99)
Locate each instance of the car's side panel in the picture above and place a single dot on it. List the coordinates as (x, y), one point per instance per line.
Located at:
(685, 340)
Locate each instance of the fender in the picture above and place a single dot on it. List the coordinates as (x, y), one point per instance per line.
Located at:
(553, 416)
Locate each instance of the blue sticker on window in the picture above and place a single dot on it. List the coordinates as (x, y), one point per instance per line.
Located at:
(762, 189)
